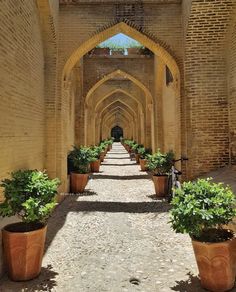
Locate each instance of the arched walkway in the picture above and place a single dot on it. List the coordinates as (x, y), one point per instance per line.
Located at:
(112, 233)
(154, 111)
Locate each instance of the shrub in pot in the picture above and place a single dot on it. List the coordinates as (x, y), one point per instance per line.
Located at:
(160, 164)
(135, 148)
(80, 158)
(103, 152)
(201, 209)
(30, 195)
(95, 158)
(130, 144)
(143, 153)
(109, 143)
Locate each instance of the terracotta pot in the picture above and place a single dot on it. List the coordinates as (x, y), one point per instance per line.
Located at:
(216, 264)
(23, 252)
(137, 156)
(95, 165)
(78, 182)
(160, 184)
(143, 164)
(102, 156)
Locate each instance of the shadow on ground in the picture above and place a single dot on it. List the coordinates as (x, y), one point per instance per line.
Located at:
(45, 282)
(118, 177)
(71, 204)
(124, 164)
(121, 207)
(192, 284)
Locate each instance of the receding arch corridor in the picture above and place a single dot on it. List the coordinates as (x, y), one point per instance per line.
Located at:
(112, 233)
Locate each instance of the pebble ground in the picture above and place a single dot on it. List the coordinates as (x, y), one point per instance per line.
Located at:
(115, 237)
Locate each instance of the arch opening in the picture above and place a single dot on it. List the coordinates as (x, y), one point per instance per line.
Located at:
(117, 133)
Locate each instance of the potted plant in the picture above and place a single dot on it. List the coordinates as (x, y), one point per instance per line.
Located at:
(103, 152)
(30, 195)
(109, 143)
(135, 148)
(143, 153)
(202, 209)
(160, 164)
(95, 158)
(80, 158)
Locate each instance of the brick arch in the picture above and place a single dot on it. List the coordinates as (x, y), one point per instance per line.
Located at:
(91, 115)
(115, 101)
(114, 111)
(130, 31)
(125, 75)
(127, 131)
(139, 120)
(124, 120)
(123, 117)
(119, 90)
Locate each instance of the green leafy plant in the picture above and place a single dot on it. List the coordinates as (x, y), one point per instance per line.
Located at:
(130, 143)
(30, 194)
(201, 208)
(80, 158)
(103, 146)
(95, 152)
(160, 163)
(135, 147)
(144, 152)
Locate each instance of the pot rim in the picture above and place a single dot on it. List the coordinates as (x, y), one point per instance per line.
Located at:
(44, 226)
(215, 243)
(77, 173)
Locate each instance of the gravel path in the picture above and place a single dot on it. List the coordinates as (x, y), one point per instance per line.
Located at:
(112, 234)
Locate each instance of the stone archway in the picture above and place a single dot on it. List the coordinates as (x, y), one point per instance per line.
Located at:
(162, 56)
(91, 115)
(124, 28)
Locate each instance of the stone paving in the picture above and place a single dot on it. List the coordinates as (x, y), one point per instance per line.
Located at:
(115, 237)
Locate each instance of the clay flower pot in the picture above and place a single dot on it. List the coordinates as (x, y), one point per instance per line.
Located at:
(95, 165)
(78, 182)
(137, 156)
(143, 164)
(23, 251)
(216, 264)
(160, 184)
(102, 156)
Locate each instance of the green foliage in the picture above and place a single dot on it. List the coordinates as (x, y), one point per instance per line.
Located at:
(80, 158)
(135, 147)
(144, 152)
(29, 194)
(200, 206)
(95, 152)
(160, 163)
(130, 143)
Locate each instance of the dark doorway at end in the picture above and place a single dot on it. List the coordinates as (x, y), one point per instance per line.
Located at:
(117, 132)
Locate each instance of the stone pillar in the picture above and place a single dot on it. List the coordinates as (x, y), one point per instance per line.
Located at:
(159, 71)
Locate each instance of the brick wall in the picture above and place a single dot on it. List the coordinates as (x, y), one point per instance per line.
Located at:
(232, 85)
(206, 86)
(96, 68)
(22, 119)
